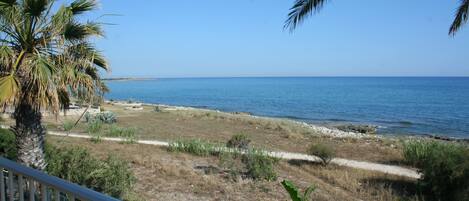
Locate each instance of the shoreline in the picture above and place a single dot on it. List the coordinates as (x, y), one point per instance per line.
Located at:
(331, 131)
(325, 131)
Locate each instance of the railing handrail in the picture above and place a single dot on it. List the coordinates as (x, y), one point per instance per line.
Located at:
(78, 191)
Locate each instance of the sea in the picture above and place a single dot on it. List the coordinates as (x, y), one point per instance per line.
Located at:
(397, 105)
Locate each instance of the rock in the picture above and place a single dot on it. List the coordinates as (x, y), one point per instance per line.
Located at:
(365, 129)
(241, 113)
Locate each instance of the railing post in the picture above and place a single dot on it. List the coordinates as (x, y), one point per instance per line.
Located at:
(57, 194)
(11, 187)
(32, 190)
(2, 185)
(21, 187)
(44, 192)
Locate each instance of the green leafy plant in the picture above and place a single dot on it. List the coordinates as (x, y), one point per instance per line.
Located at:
(7, 144)
(111, 175)
(294, 192)
(323, 152)
(239, 141)
(444, 167)
(260, 165)
(106, 117)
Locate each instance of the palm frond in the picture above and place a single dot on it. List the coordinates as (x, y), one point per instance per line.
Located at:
(460, 18)
(80, 6)
(9, 88)
(75, 31)
(43, 92)
(300, 11)
(35, 7)
(6, 57)
(7, 3)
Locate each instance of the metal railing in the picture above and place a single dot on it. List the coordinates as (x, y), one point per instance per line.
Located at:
(18, 182)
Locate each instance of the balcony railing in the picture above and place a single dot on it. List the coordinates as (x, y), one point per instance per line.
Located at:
(18, 182)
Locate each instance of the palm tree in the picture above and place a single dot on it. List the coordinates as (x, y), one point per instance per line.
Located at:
(46, 58)
(301, 9)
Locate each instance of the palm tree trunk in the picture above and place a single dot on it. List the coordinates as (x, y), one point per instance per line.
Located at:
(29, 136)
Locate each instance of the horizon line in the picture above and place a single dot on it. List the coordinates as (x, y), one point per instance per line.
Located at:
(293, 76)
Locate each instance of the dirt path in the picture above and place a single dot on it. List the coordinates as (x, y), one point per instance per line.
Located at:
(388, 169)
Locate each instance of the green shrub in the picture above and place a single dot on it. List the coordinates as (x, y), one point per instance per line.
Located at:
(294, 192)
(260, 165)
(7, 144)
(239, 141)
(323, 152)
(106, 117)
(111, 176)
(68, 125)
(230, 162)
(196, 147)
(444, 168)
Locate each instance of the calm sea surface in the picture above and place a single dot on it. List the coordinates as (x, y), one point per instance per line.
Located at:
(399, 105)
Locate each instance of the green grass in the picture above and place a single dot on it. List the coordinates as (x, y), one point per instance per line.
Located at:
(68, 125)
(196, 147)
(445, 168)
(128, 134)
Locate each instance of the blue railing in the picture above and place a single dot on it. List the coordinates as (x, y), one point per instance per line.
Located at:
(18, 182)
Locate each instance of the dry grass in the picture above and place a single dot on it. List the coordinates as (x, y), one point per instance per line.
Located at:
(268, 133)
(163, 175)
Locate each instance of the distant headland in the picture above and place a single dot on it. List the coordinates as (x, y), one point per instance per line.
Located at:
(126, 78)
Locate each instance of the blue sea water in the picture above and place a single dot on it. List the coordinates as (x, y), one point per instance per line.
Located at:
(399, 105)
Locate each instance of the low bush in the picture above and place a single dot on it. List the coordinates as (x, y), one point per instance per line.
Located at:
(294, 192)
(260, 165)
(324, 152)
(239, 141)
(7, 144)
(444, 167)
(106, 117)
(111, 176)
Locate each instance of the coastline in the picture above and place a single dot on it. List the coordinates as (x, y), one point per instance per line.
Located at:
(325, 131)
(328, 131)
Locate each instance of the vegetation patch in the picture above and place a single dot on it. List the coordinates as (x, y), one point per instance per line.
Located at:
(111, 175)
(260, 165)
(252, 163)
(445, 168)
(128, 134)
(7, 144)
(68, 125)
(294, 192)
(106, 117)
(197, 147)
(239, 141)
(324, 152)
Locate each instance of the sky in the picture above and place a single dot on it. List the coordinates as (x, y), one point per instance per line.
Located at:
(233, 38)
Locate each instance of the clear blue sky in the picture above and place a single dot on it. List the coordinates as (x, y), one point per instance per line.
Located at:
(207, 38)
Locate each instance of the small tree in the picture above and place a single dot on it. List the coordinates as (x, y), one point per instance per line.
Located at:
(323, 152)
